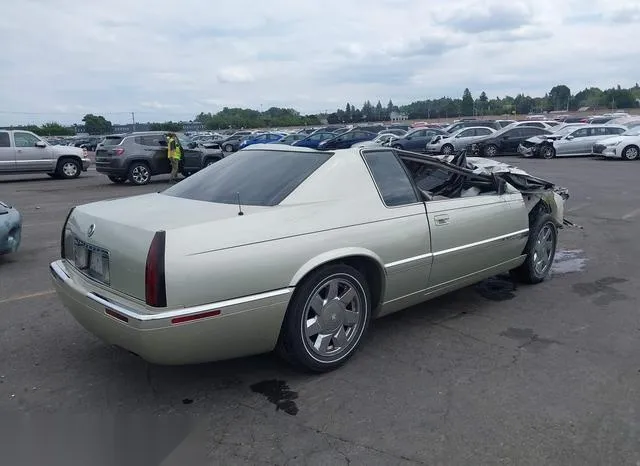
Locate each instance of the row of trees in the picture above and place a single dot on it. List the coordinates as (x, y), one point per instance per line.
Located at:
(246, 118)
(559, 98)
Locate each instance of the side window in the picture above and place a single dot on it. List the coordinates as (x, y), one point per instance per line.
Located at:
(419, 134)
(25, 139)
(531, 131)
(515, 133)
(347, 137)
(581, 133)
(598, 131)
(4, 139)
(483, 131)
(466, 133)
(614, 130)
(391, 178)
(151, 141)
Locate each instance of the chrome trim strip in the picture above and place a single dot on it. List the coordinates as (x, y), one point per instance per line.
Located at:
(524, 232)
(480, 243)
(408, 259)
(187, 310)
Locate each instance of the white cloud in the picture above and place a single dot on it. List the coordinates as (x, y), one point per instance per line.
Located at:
(171, 62)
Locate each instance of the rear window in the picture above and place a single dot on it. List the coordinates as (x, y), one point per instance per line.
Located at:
(111, 141)
(257, 177)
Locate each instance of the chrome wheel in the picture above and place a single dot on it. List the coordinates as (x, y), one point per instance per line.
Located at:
(70, 169)
(631, 153)
(140, 174)
(333, 317)
(547, 152)
(490, 150)
(447, 149)
(228, 148)
(543, 250)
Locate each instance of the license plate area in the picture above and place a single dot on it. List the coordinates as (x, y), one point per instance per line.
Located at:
(91, 260)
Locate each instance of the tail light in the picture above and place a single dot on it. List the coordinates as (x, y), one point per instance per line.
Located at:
(63, 235)
(119, 150)
(154, 277)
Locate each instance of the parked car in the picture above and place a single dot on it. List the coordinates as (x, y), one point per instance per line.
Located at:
(297, 249)
(505, 141)
(417, 139)
(197, 156)
(535, 124)
(232, 143)
(10, 228)
(452, 128)
(395, 131)
(346, 140)
(289, 139)
(625, 146)
(449, 143)
(137, 157)
(24, 152)
(380, 140)
(313, 141)
(263, 138)
(572, 141)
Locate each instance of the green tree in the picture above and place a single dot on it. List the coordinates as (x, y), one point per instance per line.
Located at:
(466, 106)
(559, 97)
(166, 126)
(54, 129)
(379, 111)
(96, 124)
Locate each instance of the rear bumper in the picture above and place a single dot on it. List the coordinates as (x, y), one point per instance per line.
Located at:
(240, 327)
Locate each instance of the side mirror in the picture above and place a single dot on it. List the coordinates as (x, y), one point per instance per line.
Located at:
(40, 144)
(569, 137)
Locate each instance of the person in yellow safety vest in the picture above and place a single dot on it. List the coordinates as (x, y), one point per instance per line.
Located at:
(174, 153)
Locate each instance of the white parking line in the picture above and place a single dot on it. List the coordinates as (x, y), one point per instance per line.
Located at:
(631, 214)
(27, 296)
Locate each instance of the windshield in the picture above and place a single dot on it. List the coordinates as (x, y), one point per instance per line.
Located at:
(258, 177)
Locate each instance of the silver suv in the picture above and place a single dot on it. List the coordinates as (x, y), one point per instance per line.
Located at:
(24, 152)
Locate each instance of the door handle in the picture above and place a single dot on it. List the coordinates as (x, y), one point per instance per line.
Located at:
(441, 219)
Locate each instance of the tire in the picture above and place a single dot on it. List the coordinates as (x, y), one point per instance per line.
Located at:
(491, 150)
(68, 169)
(530, 271)
(447, 149)
(139, 173)
(547, 152)
(631, 153)
(117, 179)
(334, 323)
(228, 147)
(210, 162)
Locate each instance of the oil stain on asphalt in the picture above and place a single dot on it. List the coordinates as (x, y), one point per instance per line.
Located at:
(278, 393)
(602, 290)
(568, 261)
(528, 338)
(499, 288)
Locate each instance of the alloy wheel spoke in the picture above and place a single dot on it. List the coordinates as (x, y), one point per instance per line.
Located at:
(348, 296)
(350, 318)
(332, 292)
(322, 343)
(313, 326)
(317, 303)
(340, 338)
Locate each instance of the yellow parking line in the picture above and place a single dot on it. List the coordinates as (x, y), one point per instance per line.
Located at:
(26, 296)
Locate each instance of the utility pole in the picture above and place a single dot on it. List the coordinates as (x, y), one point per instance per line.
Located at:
(133, 119)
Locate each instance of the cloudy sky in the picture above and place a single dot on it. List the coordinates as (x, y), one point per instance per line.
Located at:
(173, 59)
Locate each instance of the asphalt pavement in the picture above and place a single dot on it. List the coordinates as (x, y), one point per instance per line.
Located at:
(496, 373)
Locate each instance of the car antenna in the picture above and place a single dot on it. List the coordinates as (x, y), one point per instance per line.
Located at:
(240, 212)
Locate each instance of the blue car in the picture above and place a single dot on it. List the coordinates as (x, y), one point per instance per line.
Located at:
(314, 140)
(264, 138)
(289, 139)
(346, 140)
(10, 228)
